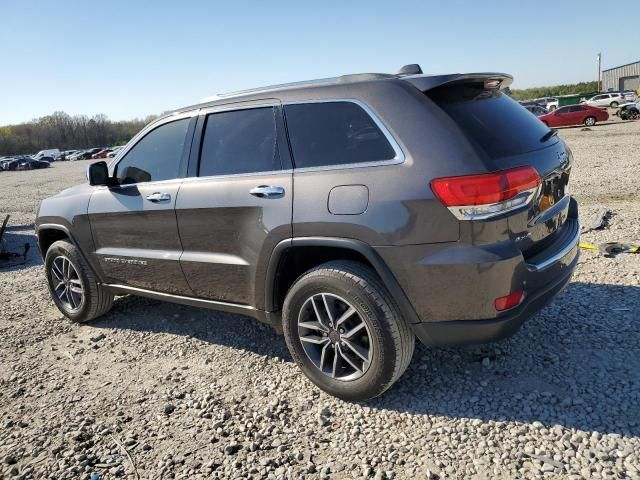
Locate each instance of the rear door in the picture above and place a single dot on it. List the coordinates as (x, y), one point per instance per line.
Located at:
(134, 223)
(236, 204)
(575, 115)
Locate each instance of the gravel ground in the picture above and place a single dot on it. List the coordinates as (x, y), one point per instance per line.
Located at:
(155, 390)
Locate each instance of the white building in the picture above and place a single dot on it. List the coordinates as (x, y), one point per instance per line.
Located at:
(624, 77)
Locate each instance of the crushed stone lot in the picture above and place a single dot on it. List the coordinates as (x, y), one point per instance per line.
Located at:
(154, 390)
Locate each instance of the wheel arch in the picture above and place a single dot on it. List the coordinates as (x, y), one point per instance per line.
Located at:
(49, 233)
(318, 250)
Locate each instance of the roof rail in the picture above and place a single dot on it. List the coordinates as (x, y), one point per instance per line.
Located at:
(412, 69)
(280, 86)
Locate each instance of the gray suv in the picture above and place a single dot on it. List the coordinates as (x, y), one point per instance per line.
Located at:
(352, 214)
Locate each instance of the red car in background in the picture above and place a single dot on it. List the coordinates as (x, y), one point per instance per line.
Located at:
(102, 153)
(574, 115)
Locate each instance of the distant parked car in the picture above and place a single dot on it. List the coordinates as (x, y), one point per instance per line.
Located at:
(102, 153)
(32, 164)
(605, 100)
(114, 151)
(630, 95)
(9, 164)
(76, 155)
(574, 115)
(53, 153)
(537, 110)
(65, 155)
(550, 103)
(629, 111)
(84, 154)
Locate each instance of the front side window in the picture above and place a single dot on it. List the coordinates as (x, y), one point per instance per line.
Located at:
(239, 141)
(156, 156)
(334, 133)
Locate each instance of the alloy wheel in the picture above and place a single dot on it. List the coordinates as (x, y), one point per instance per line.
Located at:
(334, 337)
(66, 283)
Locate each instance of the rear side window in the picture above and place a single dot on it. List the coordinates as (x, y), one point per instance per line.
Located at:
(334, 133)
(491, 120)
(239, 141)
(156, 156)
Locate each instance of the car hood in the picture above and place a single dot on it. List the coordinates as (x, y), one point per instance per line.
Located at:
(75, 190)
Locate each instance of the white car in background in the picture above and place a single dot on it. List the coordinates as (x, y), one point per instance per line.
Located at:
(53, 153)
(114, 151)
(550, 103)
(604, 100)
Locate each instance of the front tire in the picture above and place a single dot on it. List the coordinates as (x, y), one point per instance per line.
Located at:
(345, 332)
(73, 286)
(590, 121)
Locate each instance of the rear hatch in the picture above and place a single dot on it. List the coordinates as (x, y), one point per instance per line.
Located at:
(506, 136)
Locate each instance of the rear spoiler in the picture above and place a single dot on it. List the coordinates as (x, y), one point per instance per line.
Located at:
(429, 82)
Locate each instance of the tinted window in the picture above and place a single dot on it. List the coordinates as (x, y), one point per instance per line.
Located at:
(334, 133)
(494, 122)
(563, 110)
(155, 157)
(241, 141)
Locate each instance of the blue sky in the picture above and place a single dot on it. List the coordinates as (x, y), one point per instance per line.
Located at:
(131, 58)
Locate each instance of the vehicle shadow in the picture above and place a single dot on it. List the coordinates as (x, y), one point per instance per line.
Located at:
(575, 364)
(211, 326)
(14, 241)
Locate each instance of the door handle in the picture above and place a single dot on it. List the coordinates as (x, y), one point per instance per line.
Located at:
(265, 191)
(158, 197)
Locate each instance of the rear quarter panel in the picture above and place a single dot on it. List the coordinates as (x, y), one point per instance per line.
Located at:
(402, 209)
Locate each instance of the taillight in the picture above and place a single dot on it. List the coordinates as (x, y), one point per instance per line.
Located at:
(476, 197)
(508, 301)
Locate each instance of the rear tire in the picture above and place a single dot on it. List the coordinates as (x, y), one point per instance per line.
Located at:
(614, 104)
(590, 121)
(384, 341)
(73, 286)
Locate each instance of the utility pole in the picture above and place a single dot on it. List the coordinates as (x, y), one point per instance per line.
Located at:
(599, 72)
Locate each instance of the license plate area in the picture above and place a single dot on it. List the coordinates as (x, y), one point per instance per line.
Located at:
(552, 190)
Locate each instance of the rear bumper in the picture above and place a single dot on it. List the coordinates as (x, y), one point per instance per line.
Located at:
(464, 332)
(453, 286)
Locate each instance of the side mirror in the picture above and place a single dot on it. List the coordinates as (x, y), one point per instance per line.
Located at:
(98, 174)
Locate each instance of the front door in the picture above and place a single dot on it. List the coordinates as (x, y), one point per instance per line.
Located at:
(237, 204)
(134, 223)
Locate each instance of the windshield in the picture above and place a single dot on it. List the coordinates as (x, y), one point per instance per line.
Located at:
(496, 124)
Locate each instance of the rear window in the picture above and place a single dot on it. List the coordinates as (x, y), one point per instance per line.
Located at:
(491, 120)
(334, 133)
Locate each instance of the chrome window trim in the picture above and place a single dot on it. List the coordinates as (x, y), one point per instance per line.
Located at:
(399, 153)
(111, 166)
(248, 105)
(157, 182)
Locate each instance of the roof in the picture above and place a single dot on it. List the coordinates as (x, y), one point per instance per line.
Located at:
(407, 74)
(620, 66)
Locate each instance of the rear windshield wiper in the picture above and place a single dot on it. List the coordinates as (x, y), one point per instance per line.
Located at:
(548, 135)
